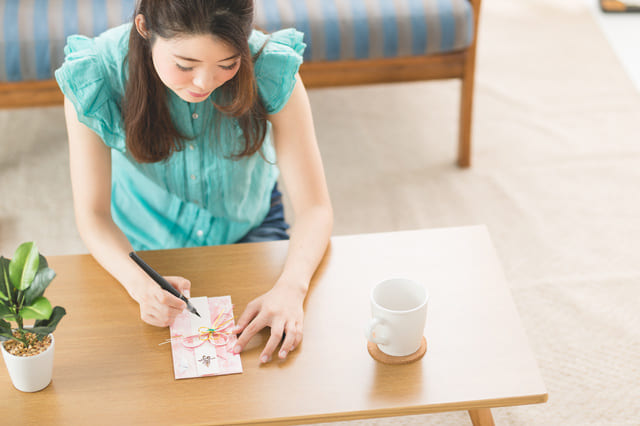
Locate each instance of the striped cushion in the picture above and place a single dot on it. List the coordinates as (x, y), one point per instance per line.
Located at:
(33, 32)
(366, 29)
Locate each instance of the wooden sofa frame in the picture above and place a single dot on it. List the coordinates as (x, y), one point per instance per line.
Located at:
(459, 65)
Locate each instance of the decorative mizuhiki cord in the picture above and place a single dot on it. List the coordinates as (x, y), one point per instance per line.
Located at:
(217, 335)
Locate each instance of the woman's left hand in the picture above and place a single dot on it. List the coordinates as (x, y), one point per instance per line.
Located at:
(280, 309)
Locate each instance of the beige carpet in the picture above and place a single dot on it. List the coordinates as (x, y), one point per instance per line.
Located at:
(555, 178)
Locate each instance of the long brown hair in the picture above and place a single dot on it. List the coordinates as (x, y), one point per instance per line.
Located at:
(151, 134)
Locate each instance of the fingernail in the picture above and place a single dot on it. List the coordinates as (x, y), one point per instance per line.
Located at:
(237, 349)
(236, 328)
(187, 294)
(264, 359)
(283, 354)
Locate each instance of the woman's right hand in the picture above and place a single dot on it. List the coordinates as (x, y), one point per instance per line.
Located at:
(159, 307)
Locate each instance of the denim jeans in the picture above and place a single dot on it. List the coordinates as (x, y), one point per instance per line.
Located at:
(273, 227)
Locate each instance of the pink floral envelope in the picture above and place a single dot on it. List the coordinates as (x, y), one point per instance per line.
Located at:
(204, 346)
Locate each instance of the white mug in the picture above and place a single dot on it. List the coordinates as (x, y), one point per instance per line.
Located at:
(399, 313)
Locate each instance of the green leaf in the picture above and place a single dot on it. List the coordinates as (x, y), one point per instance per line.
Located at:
(56, 315)
(41, 332)
(4, 311)
(43, 328)
(24, 265)
(40, 283)
(6, 289)
(4, 297)
(5, 331)
(43, 262)
(5, 336)
(40, 309)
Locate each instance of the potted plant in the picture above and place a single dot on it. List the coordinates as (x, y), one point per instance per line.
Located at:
(27, 350)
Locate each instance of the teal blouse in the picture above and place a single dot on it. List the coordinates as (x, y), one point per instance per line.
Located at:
(199, 196)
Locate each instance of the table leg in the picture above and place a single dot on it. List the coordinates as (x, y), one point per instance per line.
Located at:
(481, 417)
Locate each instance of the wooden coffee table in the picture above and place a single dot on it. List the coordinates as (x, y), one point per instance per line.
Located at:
(109, 368)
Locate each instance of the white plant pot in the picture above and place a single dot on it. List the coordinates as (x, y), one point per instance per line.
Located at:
(30, 373)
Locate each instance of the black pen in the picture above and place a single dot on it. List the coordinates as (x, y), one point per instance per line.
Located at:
(162, 282)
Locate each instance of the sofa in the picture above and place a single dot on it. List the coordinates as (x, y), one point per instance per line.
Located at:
(349, 42)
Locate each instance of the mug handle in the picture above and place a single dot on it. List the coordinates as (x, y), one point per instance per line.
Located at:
(370, 334)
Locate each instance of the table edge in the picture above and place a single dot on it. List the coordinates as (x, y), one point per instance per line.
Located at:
(400, 412)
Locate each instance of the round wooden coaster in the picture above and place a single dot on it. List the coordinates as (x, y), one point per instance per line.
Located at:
(380, 356)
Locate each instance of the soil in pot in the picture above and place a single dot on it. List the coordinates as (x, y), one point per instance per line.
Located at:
(36, 346)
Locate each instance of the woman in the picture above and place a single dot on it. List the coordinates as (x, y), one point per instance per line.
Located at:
(179, 125)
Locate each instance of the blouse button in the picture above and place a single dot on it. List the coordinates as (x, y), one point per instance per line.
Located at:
(193, 177)
(200, 233)
(191, 147)
(195, 115)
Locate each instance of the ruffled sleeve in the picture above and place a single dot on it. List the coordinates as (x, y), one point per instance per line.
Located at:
(277, 65)
(84, 80)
